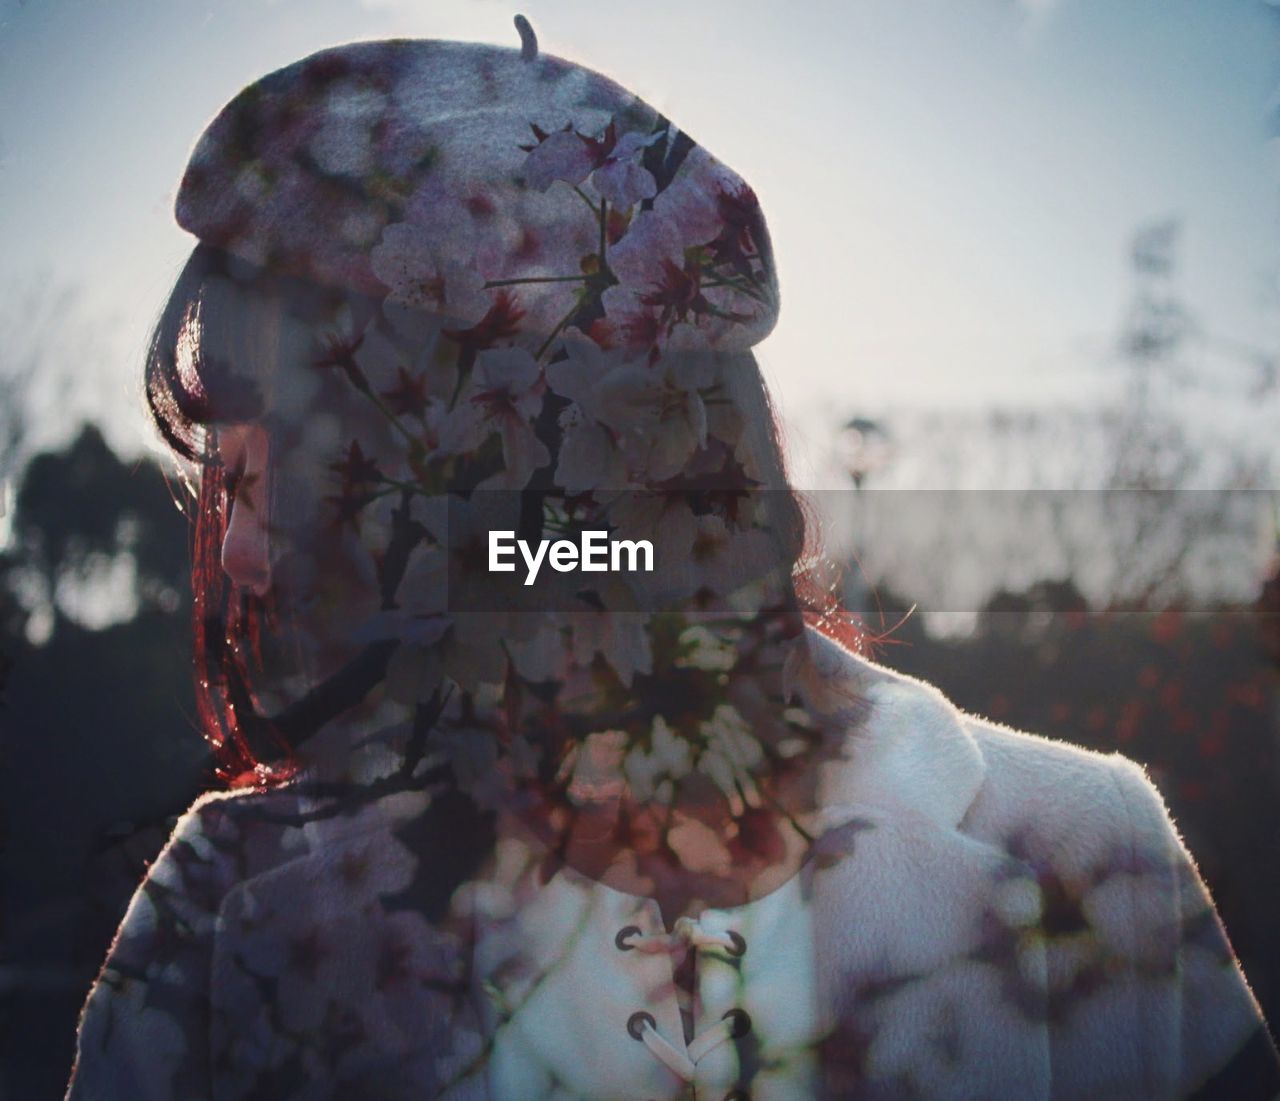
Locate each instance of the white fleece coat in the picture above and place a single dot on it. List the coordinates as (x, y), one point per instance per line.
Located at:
(990, 916)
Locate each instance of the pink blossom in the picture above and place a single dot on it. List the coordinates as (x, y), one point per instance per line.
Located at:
(613, 163)
(419, 271)
(561, 155)
(657, 414)
(621, 178)
(505, 395)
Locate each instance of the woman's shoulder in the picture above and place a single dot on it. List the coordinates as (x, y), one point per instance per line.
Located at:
(1017, 787)
(219, 817)
(235, 834)
(230, 841)
(1061, 776)
(1084, 813)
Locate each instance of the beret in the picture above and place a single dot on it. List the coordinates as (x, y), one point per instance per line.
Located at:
(514, 192)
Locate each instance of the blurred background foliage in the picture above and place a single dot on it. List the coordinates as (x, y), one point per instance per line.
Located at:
(99, 745)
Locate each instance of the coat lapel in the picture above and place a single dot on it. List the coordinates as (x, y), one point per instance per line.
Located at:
(931, 976)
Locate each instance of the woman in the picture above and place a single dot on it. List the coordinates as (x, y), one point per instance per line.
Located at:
(616, 833)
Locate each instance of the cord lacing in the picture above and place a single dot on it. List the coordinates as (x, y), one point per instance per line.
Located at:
(641, 1026)
(686, 931)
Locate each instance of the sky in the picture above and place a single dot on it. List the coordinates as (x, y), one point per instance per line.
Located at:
(951, 185)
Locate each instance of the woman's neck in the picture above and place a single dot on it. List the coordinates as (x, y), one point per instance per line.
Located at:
(697, 851)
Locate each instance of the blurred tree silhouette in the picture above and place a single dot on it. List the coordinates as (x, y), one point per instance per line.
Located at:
(100, 747)
(1147, 497)
(82, 514)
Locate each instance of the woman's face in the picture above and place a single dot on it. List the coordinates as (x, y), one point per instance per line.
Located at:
(246, 547)
(342, 514)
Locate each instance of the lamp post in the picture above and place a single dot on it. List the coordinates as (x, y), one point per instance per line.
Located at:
(863, 447)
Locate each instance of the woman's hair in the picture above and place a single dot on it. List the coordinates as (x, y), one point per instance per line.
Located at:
(209, 360)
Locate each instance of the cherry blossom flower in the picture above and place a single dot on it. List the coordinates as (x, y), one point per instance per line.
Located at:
(314, 957)
(355, 467)
(693, 259)
(415, 960)
(348, 506)
(423, 271)
(449, 575)
(727, 568)
(731, 756)
(612, 162)
(409, 396)
(505, 396)
(575, 374)
(657, 414)
(501, 322)
(589, 457)
(650, 262)
(668, 757)
(338, 351)
(620, 178)
(559, 155)
(620, 637)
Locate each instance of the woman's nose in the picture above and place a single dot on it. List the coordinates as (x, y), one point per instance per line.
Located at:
(246, 546)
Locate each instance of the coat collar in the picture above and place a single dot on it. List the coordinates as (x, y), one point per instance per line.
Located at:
(907, 750)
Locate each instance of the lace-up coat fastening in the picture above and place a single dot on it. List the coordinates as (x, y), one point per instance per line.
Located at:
(988, 915)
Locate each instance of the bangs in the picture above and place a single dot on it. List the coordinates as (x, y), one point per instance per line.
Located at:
(191, 381)
(216, 345)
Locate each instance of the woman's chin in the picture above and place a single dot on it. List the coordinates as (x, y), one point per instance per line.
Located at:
(285, 682)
